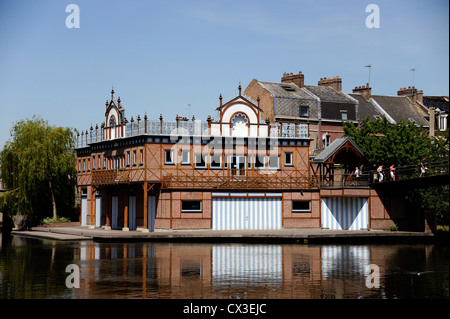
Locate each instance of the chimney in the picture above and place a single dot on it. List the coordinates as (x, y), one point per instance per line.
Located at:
(364, 90)
(297, 79)
(414, 94)
(335, 82)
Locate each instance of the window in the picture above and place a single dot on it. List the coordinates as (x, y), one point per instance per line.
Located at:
(168, 157)
(79, 165)
(185, 157)
(142, 157)
(134, 158)
(344, 115)
(191, 206)
(128, 158)
(304, 111)
(216, 161)
(200, 161)
(299, 206)
(116, 162)
(326, 139)
(288, 158)
(99, 162)
(259, 161)
(84, 165)
(273, 162)
(93, 162)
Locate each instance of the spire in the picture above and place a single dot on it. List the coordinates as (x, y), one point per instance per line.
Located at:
(240, 88)
(112, 93)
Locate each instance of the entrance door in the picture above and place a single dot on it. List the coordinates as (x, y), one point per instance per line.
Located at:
(132, 213)
(238, 165)
(246, 213)
(151, 212)
(98, 211)
(83, 210)
(347, 213)
(114, 211)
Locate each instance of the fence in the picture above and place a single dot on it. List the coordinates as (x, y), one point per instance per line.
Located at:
(179, 127)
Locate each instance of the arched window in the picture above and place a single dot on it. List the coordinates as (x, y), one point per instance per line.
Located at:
(239, 118)
(239, 124)
(112, 121)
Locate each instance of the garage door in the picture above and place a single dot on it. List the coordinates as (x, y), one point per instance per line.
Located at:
(346, 213)
(246, 213)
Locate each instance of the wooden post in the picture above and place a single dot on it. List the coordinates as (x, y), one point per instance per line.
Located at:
(125, 212)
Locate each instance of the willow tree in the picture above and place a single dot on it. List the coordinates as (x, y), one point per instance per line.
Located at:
(38, 169)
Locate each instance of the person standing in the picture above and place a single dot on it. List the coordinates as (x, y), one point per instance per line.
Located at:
(380, 173)
(422, 166)
(392, 172)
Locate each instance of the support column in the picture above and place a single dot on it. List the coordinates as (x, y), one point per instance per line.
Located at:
(125, 211)
(145, 230)
(92, 222)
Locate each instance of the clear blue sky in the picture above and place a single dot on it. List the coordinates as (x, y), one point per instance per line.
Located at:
(161, 56)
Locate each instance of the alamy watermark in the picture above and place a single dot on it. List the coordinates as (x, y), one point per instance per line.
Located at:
(73, 19)
(73, 279)
(373, 19)
(373, 279)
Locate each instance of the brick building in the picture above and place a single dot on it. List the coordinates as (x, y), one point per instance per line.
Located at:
(324, 106)
(248, 169)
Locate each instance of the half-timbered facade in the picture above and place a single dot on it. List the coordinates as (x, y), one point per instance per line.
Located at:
(237, 171)
(230, 173)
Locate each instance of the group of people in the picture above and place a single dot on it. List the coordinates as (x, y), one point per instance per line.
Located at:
(381, 174)
(392, 171)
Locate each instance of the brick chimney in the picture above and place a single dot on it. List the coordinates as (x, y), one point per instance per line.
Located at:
(335, 82)
(414, 94)
(364, 90)
(297, 79)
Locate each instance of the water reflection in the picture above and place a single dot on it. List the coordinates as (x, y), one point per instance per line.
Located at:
(32, 268)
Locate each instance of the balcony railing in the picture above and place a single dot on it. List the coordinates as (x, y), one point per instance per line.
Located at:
(180, 127)
(262, 182)
(110, 177)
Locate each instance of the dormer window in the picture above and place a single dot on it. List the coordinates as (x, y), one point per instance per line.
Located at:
(304, 111)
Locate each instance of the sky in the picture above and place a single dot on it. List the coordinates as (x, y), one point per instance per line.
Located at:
(162, 56)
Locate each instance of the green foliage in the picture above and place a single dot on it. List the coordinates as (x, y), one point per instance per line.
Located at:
(50, 220)
(385, 144)
(394, 227)
(404, 144)
(38, 169)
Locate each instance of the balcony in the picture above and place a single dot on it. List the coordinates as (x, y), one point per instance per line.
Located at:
(110, 177)
(262, 182)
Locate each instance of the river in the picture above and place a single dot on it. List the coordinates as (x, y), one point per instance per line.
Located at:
(33, 268)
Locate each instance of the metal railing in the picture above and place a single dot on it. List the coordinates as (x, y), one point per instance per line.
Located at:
(402, 173)
(178, 128)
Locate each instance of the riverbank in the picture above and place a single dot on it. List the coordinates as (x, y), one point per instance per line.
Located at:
(72, 231)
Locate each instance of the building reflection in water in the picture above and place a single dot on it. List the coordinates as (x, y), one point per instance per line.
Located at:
(168, 270)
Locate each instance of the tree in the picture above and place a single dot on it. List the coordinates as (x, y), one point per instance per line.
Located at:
(385, 144)
(404, 144)
(38, 169)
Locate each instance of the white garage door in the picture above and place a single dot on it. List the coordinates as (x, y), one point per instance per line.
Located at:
(246, 213)
(346, 213)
